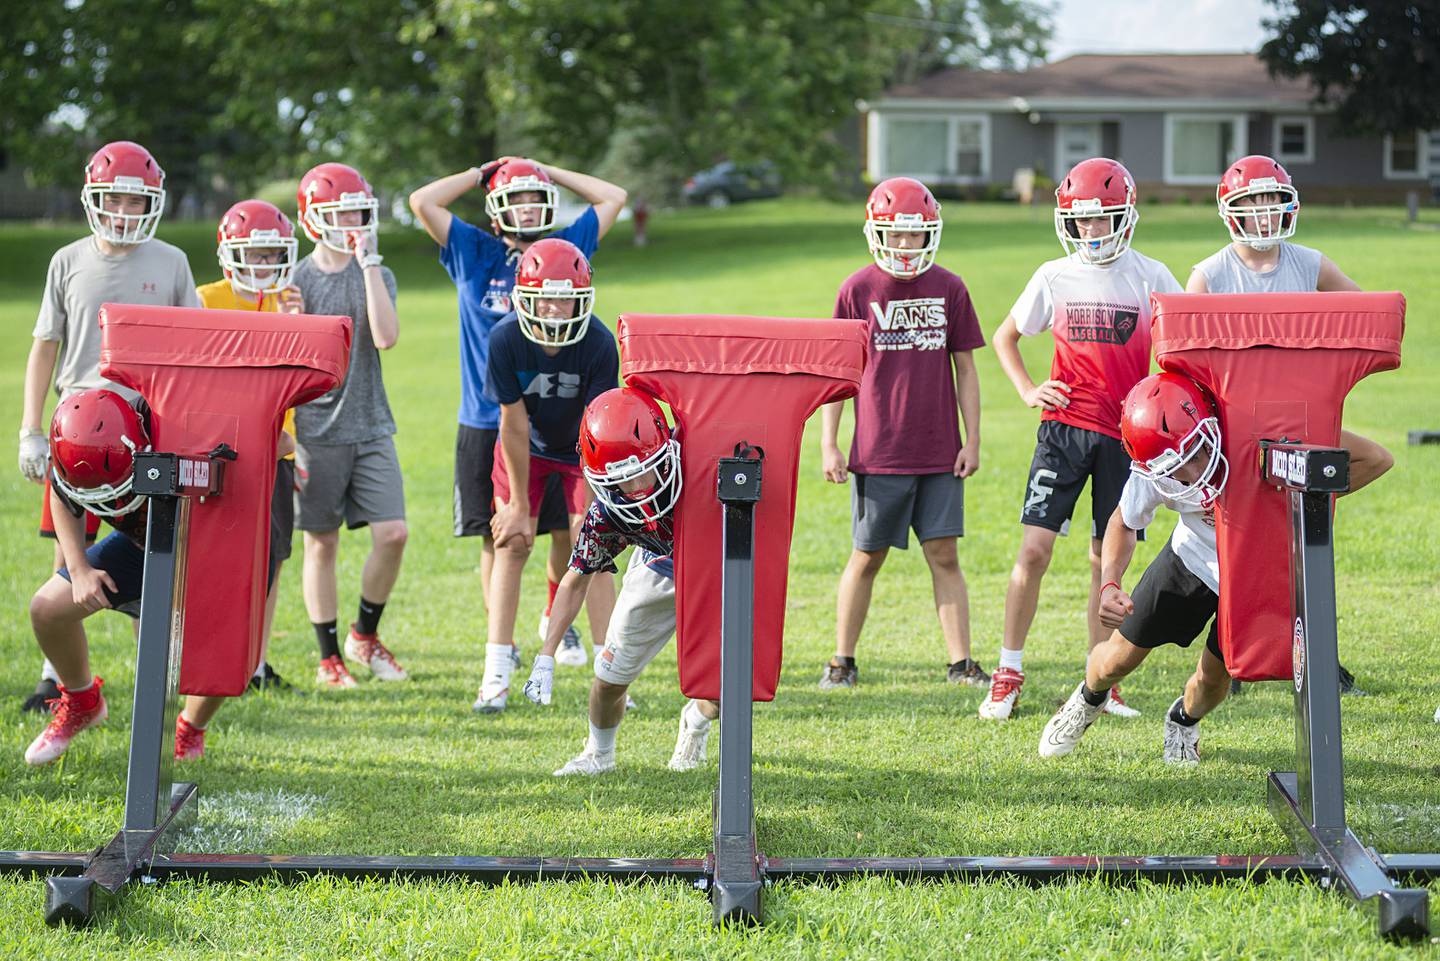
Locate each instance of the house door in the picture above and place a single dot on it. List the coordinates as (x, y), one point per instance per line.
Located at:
(1075, 142)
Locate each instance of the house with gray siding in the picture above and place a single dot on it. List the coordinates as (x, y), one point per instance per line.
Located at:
(1175, 120)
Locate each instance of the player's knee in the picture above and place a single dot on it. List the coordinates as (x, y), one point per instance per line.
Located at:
(391, 537)
(1034, 559)
(49, 606)
(867, 563)
(322, 545)
(941, 555)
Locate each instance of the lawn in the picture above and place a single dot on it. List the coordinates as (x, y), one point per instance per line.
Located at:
(898, 766)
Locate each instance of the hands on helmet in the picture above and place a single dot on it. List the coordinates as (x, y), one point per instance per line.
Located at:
(34, 454)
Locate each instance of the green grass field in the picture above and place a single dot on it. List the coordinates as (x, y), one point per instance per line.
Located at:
(899, 766)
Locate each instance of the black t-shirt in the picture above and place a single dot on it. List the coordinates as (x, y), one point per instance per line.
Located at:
(133, 524)
(555, 389)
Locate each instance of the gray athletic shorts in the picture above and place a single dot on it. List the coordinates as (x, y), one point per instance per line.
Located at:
(886, 507)
(355, 483)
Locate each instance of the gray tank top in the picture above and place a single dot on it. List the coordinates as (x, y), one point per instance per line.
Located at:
(1297, 271)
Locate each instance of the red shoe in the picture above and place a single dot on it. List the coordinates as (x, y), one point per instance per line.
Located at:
(74, 712)
(1004, 694)
(366, 649)
(333, 674)
(189, 740)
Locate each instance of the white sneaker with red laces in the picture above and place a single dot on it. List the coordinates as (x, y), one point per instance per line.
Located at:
(332, 673)
(366, 649)
(189, 740)
(1115, 705)
(1004, 694)
(69, 720)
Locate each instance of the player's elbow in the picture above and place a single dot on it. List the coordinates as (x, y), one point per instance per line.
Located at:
(387, 340)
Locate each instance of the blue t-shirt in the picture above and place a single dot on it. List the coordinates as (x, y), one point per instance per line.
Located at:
(555, 389)
(483, 269)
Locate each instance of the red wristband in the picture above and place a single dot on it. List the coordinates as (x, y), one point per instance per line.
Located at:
(1110, 584)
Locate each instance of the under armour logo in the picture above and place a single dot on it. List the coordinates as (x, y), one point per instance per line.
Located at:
(1039, 491)
(554, 385)
(147, 287)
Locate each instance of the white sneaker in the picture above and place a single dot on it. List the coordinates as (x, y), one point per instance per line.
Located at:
(588, 763)
(493, 704)
(1005, 686)
(689, 747)
(1437, 715)
(630, 705)
(1115, 705)
(368, 650)
(1182, 744)
(572, 651)
(1069, 724)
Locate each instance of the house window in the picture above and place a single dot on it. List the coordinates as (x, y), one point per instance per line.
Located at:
(969, 149)
(1294, 139)
(1405, 155)
(1198, 147)
(916, 147)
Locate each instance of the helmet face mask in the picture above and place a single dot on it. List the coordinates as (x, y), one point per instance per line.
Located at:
(522, 200)
(554, 295)
(1261, 214)
(646, 506)
(324, 224)
(1170, 429)
(1206, 479)
(1096, 188)
(902, 205)
(94, 436)
(630, 457)
(115, 173)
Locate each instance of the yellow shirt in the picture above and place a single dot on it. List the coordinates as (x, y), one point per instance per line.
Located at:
(221, 295)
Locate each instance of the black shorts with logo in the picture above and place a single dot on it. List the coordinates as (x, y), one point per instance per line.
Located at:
(1065, 457)
(1172, 606)
(475, 494)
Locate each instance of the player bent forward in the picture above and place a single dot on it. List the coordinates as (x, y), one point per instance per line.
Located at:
(632, 460)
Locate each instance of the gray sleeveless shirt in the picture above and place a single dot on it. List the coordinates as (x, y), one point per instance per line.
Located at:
(1297, 271)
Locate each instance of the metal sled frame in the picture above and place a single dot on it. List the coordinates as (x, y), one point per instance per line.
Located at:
(1308, 802)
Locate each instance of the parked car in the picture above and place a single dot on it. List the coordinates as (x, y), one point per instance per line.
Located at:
(727, 183)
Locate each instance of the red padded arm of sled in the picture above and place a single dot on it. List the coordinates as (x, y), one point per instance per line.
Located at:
(1279, 366)
(213, 376)
(727, 380)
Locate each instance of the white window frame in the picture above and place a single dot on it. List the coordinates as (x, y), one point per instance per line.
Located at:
(1305, 157)
(877, 146)
(1422, 150)
(1240, 139)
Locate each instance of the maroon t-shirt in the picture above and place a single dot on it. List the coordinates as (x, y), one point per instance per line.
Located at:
(906, 421)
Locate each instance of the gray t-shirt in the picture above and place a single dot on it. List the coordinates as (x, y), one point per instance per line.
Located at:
(357, 410)
(1297, 271)
(81, 278)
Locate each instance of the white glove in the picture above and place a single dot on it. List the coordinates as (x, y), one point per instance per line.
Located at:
(542, 679)
(34, 454)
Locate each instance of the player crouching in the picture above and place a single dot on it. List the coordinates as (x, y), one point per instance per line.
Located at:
(632, 460)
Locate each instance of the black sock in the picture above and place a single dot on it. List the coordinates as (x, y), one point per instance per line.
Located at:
(328, 639)
(368, 621)
(843, 661)
(1178, 715)
(1093, 698)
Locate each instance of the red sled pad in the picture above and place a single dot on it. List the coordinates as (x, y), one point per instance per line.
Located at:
(213, 377)
(728, 380)
(1280, 366)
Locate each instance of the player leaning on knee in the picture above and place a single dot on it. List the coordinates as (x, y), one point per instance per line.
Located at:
(633, 462)
(346, 464)
(546, 362)
(1171, 431)
(521, 201)
(121, 261)
(1096, 302)
(1260, 207)
(907, 458)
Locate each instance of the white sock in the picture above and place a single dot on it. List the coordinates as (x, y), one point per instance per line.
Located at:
(1011, 659)
(47, 672)
(694, 720)
(602, 739)
(498, 668)
(259, 672)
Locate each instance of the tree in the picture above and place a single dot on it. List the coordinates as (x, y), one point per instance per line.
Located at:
(1378, 60)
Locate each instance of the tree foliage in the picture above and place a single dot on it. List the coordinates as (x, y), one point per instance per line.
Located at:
(1377, 60)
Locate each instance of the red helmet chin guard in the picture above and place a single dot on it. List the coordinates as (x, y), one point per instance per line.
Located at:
(623, 435)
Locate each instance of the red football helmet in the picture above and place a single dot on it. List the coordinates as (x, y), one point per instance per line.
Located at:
(327, 190)
(93, 439)
(1168, 421)
(121, 168)
(623, 435)
(902, 205)
(508, 213)
(1098, 187)
(1258, 224)
(553, 293)
(254, 225)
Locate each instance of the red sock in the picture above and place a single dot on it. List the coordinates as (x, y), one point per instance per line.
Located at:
(554, 586)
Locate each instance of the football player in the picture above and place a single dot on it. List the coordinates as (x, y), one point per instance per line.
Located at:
(257, 251)
(546, 362)
(520, 202)
(1095, 300)
(347, 469)
(1260, 207)
(632, 459)
(120, 261)
(1171, 430)
(908, 457)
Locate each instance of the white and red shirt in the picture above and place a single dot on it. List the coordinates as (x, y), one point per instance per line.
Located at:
(1100, 317)
(906, 419)
(1194, 538)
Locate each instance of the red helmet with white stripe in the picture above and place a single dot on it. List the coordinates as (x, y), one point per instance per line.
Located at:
(630, 456)
(1257, 201)
(1167, 422)
(94, 435)
(522, 199)
(248, 231)
(1098, 187)
(554, 294)
(902, 205)
(116, 173)
(326, 192)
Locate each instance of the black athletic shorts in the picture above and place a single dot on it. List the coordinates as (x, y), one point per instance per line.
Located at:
(282, 516)
(1172, 606)
(1065, 457)
(475, 493)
